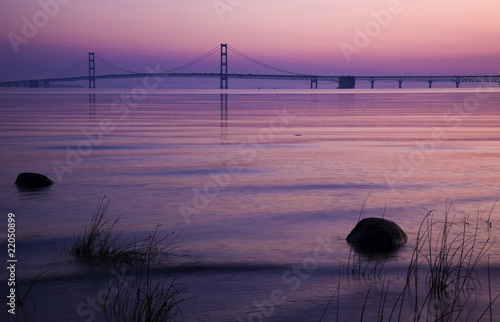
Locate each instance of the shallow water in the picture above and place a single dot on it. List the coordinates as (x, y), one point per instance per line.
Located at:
(252, 182)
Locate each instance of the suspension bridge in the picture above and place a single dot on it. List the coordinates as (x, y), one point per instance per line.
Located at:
(223, 76)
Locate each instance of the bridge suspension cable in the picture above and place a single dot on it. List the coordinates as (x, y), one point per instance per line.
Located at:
(110, 64)
(196, 61)
(72, 68)
(258, 62)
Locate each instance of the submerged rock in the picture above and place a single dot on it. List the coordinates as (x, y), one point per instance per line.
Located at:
(377, 235)
(29, 180)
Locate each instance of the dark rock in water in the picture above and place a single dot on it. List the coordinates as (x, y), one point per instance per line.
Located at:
(28, 180)
(377, 235)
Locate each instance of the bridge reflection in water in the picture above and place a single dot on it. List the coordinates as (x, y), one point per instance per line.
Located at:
(223, 118)
(223, 115)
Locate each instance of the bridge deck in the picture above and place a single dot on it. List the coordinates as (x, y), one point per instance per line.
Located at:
(297, 77)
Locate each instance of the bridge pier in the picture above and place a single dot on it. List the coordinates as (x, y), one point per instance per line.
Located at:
(346, 82)
(314, 82)
(400, 83)
(45, 84)
(373, 83)
(457, 83)
(430, 84)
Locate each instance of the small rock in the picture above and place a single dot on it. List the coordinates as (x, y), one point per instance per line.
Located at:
(377, 235)
(29, 180)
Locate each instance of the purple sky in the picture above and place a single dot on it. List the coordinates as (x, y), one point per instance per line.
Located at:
(365, 37)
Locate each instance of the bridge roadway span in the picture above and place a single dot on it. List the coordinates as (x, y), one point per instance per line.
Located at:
(344, 81)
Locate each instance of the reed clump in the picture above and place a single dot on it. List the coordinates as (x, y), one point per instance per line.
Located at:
(99, 243)
(442, 281)
(140, 288)
(146, 291)
(445, 256)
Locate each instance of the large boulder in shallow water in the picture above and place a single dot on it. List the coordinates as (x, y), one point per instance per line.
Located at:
(377, 235)
(29, 180)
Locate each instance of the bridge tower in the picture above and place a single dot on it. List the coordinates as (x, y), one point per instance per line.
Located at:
(223, 66)
(91, 70)
(314, 82)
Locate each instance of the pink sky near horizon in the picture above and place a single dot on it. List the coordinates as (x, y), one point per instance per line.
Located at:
(457, 37)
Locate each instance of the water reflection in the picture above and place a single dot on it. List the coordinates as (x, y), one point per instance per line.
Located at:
(223, 119)
(32, 194)
(92, 105)
(348, 103)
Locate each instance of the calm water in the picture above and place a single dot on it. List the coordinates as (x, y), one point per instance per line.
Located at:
(252, 182)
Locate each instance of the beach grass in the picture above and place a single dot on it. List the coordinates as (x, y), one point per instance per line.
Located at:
(441, 281)
(145, 292)
(140, 288)
(98, 242)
